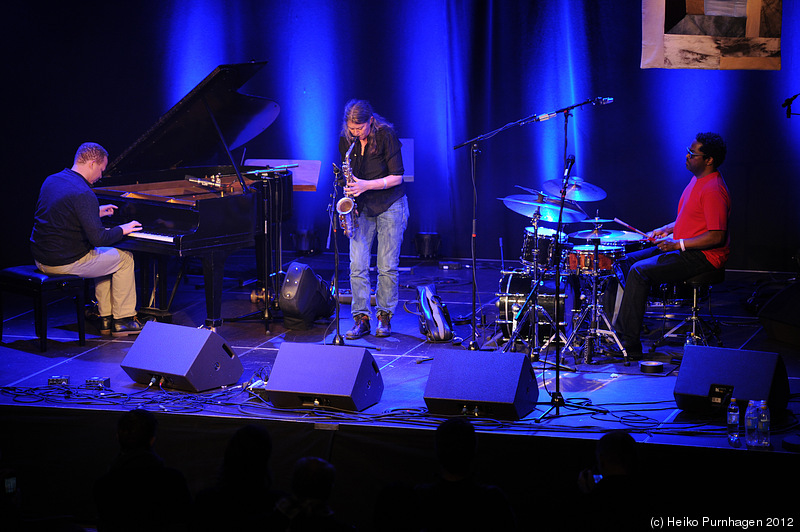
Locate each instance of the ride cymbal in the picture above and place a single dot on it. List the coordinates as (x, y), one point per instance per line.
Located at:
(543, 208)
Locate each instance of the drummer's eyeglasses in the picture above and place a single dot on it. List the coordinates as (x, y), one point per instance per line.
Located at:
(692, 154)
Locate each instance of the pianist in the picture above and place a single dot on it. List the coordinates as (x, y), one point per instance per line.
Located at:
(69, 238)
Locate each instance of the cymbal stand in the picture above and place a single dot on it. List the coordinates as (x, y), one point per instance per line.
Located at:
(595, 312)
(531, 305)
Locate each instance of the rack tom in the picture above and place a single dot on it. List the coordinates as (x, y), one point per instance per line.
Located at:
(539, 249)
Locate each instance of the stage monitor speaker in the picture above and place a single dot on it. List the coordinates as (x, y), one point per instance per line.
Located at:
(781, 315)
(708, 376)
(484, 384)
(304, 297)
(187, 358)
(313, 375)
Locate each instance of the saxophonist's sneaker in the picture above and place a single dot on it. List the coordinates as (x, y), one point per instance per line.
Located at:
(361, 327)
(384, 327)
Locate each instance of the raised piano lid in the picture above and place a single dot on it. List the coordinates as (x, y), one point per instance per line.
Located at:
(186, 135)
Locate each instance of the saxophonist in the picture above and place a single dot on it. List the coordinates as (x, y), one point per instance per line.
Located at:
(382, 211)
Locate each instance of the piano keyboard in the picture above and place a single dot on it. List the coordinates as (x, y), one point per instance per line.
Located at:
(152, 236)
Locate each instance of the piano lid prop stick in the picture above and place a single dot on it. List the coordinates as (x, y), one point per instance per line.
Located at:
(651, 239)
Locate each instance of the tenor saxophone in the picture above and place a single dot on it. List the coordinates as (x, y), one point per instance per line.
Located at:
(346, 206)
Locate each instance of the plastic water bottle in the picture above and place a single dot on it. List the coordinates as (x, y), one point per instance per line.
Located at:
(750, 424)
(762, 425)
(733, 423)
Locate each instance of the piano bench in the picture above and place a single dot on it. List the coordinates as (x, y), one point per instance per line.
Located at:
(43, 288)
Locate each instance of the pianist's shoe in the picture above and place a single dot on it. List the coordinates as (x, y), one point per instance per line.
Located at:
(126, 326)
(105, 325)
(360, 328)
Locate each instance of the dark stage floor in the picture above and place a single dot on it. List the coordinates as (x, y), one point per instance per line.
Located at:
(57, 439)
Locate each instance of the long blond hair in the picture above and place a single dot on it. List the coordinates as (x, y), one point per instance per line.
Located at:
(359, 112)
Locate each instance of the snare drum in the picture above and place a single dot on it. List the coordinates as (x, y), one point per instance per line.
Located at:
(514, 290)
(580, 259)
(538, 248)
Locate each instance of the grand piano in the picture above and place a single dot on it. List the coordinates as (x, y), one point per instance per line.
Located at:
(189, 208)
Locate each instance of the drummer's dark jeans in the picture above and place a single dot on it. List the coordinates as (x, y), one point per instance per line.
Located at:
(648, 267)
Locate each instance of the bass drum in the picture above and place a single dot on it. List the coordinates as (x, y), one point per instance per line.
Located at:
(514, 290)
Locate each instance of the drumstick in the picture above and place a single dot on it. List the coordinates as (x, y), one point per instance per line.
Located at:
(651, 239)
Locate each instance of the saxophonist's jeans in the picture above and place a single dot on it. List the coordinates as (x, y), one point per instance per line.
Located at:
(389, 227)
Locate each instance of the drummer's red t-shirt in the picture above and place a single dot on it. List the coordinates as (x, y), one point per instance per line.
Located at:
(705, 206)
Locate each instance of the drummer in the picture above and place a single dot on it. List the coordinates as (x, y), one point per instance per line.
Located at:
(696, 242)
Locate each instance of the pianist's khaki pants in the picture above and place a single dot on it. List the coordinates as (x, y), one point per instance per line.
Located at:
(114, 282)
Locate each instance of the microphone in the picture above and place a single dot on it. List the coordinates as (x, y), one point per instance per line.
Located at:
(788, 104)
(542, 118)
(337, 176)
(602, 101)
(568, 169)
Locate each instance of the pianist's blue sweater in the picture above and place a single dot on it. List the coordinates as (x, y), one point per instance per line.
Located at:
(67, 223)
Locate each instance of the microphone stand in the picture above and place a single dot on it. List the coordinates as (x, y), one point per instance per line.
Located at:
(338, 339)
(556, 399)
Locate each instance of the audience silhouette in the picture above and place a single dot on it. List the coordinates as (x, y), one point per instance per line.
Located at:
(139, 492)
(614, 493)
(457, 500)
(308, 509)
(242, 498)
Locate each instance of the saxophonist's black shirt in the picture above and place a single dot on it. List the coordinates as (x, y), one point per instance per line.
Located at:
(378, 161)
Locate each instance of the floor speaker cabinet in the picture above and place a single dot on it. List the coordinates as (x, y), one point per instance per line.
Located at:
(187, 358)
(313, 375)
(304, 297)
(708, 376)
(780, 316)
(483, 384)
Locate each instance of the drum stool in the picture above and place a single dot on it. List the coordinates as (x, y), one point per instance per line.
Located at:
(43, 288)
(695, 328)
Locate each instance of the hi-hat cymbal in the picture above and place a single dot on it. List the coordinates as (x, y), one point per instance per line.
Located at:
(629, 236)
(596, 221)
(603, 235)
(543, 208)
(577, 189)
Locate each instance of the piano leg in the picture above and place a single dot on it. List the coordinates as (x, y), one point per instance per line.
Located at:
(213, 274)
(152, 285)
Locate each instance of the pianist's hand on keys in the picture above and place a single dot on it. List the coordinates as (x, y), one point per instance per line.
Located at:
(130, 227)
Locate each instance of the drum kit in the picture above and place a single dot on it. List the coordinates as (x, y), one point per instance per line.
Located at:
(529, 298)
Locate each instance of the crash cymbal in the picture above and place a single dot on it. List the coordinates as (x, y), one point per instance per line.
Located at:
(535, 192)
(603, 235)
(577, 189)
(544, 208)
